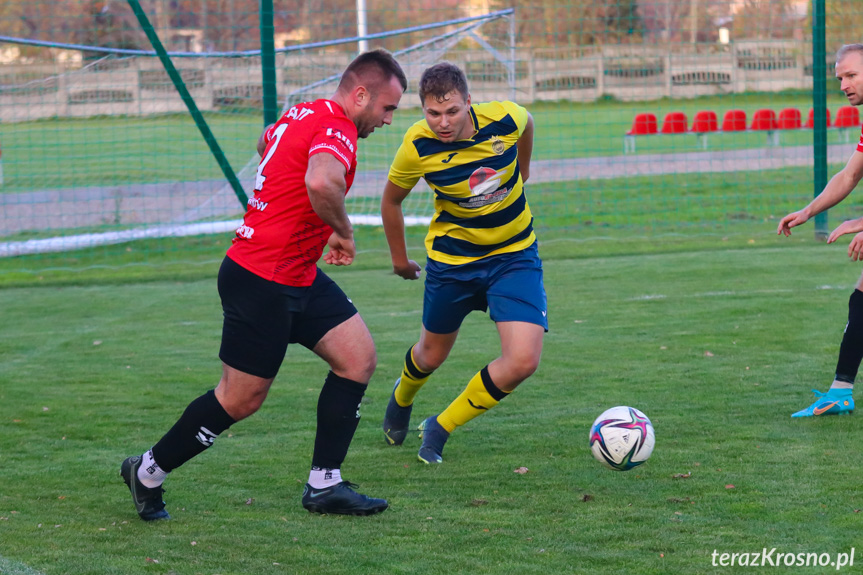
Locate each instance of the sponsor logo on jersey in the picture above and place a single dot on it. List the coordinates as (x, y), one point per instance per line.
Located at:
(484, 200)
(483, 181)
(341, 137)
(258, 204)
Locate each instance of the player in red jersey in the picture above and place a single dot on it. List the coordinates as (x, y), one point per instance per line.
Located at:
(274, 294)
(839, 399)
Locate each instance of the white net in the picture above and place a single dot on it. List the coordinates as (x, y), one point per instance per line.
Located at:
(129, 161)
(482, 45)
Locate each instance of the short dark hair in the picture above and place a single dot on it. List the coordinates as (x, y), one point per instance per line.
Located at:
(441, 79)
(372, 69)
(847, 49)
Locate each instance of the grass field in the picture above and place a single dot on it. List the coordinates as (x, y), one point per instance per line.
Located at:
(127, 150)
(717, 346)
(707, 211)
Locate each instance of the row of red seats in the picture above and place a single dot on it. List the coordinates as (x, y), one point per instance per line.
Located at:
(705, 121)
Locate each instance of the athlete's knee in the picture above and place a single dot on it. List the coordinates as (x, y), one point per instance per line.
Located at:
(522, 365)
(359, 366)
(365, 367)
(429, 357)
(242, 405)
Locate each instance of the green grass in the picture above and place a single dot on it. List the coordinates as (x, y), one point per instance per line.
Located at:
(718, 347)
(574, 219)
(108, 151)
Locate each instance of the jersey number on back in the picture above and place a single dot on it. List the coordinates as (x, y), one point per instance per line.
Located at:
(260, 177)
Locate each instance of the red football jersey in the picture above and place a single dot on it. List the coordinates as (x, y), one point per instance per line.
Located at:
(860, 143)
(282, 237)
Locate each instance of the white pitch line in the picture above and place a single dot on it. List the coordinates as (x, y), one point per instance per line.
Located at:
(649, 297)
(9, 567)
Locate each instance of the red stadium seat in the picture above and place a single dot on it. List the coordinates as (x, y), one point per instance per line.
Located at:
(810, 123)
(763, 120)
(847, 117)
(675, 123)
(734, 121)
(790, 119)
(642, 125)
(704, 121)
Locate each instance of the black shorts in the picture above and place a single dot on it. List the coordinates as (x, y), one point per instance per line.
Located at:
(262, 317)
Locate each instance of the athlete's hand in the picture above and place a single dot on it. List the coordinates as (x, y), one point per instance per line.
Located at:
(342, 250)
(846, 227)
(855, 249)
(791, 221)
(410, 271)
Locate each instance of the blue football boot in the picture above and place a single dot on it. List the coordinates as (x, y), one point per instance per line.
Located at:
(834, 402)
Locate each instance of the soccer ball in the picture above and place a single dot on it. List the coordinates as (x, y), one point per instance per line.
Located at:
(621, 438)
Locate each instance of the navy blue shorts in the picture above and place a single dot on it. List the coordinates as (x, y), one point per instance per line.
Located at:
(262, 317)
(509, 286)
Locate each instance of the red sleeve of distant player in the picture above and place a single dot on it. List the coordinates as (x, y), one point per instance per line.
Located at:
(860, 143)
(336, 135)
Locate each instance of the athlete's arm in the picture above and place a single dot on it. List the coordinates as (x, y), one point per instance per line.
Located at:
(325, 182)
(394, 228)
(525, 148)
(836, 190)
(263, 141)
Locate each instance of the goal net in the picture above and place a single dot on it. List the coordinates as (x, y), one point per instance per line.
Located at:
(131, 164)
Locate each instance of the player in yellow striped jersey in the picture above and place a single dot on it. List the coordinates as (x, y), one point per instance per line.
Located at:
(482, 252)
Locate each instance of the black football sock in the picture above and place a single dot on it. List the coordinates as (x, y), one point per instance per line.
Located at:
(851, 350)
(195, 431)
(338, 417)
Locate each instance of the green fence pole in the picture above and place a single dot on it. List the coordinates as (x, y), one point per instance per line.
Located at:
(819, 106)
(268, 63)
(190, 103)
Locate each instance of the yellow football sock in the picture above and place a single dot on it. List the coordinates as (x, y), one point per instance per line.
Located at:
(412, 380)
(479, 396)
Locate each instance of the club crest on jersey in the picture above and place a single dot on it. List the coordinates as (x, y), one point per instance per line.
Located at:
(245, 232)
(497, 146)
(483, 181)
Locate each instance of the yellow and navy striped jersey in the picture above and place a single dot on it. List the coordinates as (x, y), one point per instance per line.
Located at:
(480, 207)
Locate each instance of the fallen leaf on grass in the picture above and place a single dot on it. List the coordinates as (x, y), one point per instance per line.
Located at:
(151, 560)
(729, 486)
(686, 475)
(250, 500)
(708, 354)
(586, 497)
(521, 470)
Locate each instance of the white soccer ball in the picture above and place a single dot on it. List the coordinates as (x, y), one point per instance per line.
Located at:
(622, 438)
